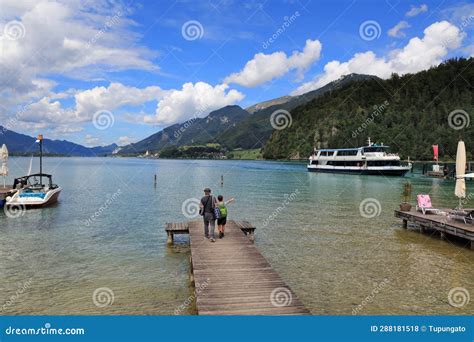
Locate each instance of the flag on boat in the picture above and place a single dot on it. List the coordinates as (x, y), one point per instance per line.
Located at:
(435, 152)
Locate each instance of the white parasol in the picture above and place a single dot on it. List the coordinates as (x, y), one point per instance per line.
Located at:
(460, 190)
(4, 156)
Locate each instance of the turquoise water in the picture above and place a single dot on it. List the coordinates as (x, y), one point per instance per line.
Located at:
(107, 231)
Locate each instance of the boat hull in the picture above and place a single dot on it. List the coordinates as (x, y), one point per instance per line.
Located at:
(357, 171)
(51, 198)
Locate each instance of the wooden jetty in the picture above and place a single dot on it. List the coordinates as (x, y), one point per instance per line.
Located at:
(230, 275)
(443, 224)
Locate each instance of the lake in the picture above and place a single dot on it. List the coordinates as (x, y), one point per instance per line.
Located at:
(106, 234)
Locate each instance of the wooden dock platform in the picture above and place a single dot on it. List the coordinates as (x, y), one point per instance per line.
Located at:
(230, 275)
(443, 224)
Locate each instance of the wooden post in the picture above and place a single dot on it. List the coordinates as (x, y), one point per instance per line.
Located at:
(154, 180)
(422, 228)
(191, 270)
(405, 224)
(251, 235)
(170, 237)
(222, 180)
(443, 235)
(472, 245)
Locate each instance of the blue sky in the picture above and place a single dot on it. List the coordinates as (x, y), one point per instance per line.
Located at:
(100, 72)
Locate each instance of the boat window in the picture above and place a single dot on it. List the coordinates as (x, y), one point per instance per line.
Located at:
(383, 163)
(343, 163)
(347, 152)
(314, 162)
(375, 149)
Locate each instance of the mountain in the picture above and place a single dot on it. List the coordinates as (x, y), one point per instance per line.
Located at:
(255, 130)
(195, 131)
(232, 126)
(18, 143)
(265, 104)
(409, 113)
(104, 150)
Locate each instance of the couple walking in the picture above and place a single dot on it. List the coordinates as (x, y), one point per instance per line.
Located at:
(212, 209)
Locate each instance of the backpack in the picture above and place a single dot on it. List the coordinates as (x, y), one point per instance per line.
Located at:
(223, 210)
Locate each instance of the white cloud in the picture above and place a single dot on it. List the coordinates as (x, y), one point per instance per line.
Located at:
(414, 11)
(125, 140)
(396, 31)
(70, 38)
(193, 100)
(114, 96)
(91, 140)
(419, 54)
(263, 68)
(49, 112)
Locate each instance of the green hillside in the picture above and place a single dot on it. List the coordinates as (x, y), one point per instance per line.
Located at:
(409, 113)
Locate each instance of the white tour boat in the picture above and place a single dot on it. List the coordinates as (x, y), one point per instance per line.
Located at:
(372, 159)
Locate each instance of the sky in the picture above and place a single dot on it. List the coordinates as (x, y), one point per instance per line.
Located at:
(99, 72)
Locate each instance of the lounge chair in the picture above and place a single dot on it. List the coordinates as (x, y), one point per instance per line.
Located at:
(462, 215)
(424, 204)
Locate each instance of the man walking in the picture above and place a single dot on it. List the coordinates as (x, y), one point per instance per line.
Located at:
(207, 205)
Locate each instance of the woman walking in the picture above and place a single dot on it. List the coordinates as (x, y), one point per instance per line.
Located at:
(207, 205)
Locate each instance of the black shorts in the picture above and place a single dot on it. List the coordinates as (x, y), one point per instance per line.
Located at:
(221, 221)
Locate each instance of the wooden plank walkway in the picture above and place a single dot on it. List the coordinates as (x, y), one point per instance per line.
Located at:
(441, 223)
(231, 277)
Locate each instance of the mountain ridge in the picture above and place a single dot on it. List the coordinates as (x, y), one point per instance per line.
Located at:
(19, 143)
(251, 129)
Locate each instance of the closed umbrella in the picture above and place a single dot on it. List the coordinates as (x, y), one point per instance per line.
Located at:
(460, 190)
(4, 156)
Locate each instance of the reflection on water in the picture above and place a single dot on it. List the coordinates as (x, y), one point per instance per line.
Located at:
(52, 260)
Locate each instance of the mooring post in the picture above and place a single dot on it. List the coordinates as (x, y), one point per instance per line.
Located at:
(443, 235)
(170, 237)
(405, 224)
(252, 236)
(472, 245)
(191, 270)
(222, 180)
